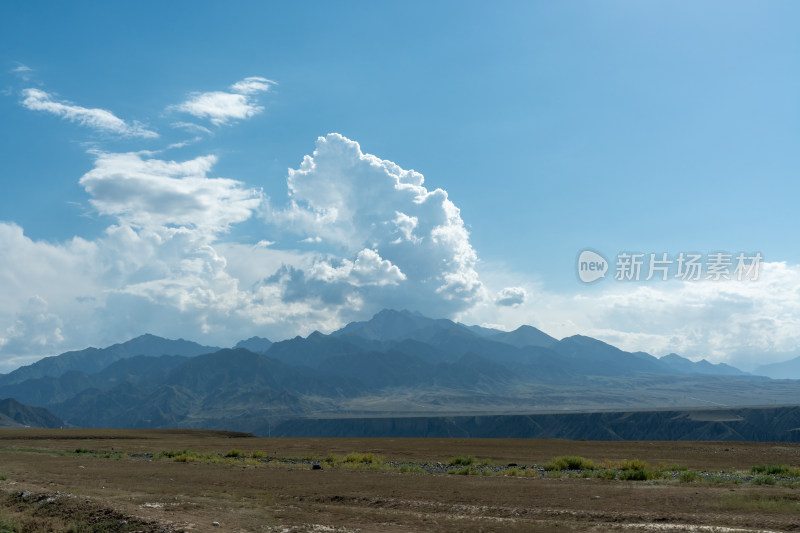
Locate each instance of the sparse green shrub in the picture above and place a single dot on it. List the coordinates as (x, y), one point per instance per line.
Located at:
(637, 474)
(768, 503)
(113, 455)
(664, 467)
(258, 454)
(368, 458)
(776, 470)
(570, 462)
(461, 460)
(633, 464)
(688, 476)
(466, 471)
(605, 473)
(410, 469)
(180, 456)
(332, 459)
(233, 452)
(81, 450)
(763, 480)
(9, 526)
(170, 454)
(513, 472)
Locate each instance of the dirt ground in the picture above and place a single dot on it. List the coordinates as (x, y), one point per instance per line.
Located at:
(50, 487)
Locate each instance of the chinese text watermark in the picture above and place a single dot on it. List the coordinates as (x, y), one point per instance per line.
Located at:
(685, 266)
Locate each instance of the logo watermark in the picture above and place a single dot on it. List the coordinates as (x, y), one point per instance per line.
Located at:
(591, 266)
(684, 266)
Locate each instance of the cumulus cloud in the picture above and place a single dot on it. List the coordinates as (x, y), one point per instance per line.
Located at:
(221, 107)
(98, 119)
(368, 269)
(147, 192)
(511, 296)
(351, 201)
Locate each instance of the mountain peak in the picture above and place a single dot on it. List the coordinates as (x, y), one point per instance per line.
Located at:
(255, 344)
(388, 324)
(525, 336)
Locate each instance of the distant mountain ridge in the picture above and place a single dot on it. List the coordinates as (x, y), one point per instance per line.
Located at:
(16, 414)
(783, 370)
(94, 359)
(685, 366)
(396, 364)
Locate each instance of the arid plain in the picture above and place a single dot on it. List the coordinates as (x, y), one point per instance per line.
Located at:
(162, 480)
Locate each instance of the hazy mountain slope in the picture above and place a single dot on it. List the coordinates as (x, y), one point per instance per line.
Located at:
(45, 391)
(784, 370)
(205, 391)
(685, 366)
(243, 370)
(93, 360)
(312, 350)
(16, 414)
(600, 359)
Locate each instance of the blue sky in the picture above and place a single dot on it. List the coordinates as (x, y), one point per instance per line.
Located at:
(153, 176)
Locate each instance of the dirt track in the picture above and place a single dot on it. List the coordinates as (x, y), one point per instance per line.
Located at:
(165, 495)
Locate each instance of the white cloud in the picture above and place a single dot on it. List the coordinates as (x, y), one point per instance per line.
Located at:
(252, 85)
(22, 72)
(221, 107)
(511, 296)
(98, 119)
(34, 329)
(353, 201)
(191, 126)
(368, 269)
(156, 193)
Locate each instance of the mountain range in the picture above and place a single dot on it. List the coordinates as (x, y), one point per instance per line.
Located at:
(398, 363)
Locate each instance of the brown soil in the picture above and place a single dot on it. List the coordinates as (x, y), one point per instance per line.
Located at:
(99, 494)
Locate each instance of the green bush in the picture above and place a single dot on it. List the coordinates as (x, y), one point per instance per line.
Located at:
(633, 464)
(776, 470)
(258, 454)
(233, 452)
(637, 474)
(763, 480)
(456, 461)
(570, 462)
(687, 476)
(368, 458)
(605, 473)
(8, 526)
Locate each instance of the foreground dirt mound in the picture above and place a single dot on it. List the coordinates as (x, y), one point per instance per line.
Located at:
(30, 512)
